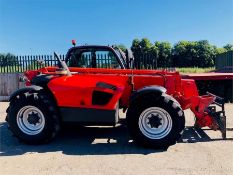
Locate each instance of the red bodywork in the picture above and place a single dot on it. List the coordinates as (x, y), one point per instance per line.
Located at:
(76, 90)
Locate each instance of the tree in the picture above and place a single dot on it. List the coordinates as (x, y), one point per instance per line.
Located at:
(228, 47)
(145, 45)
(194, 53)
(164, 53)
(8, 60)
(136, 48)
(145, 53)
(180, 54)
(205, 54)
(141, 47)
(122, 47)
(220, 50)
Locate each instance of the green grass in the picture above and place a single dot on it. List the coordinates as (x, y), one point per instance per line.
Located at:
(194, 69)
(11, 69)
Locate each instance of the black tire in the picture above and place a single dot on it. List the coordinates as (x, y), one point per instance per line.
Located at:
(168, 104)
(46, 105)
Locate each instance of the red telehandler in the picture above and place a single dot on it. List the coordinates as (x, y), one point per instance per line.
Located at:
(78, 90)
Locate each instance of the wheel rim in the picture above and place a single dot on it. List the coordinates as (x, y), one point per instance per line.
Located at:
(30, 120)
(155, 123)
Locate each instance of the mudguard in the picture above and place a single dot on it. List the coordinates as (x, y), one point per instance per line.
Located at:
(25, 89)
(158, 90)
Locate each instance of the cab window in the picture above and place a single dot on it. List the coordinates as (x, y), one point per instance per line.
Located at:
(80, 59)
(106, 59)
(93, 59)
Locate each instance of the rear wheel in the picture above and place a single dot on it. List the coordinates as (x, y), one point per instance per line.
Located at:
(33, 118)
(155, 122)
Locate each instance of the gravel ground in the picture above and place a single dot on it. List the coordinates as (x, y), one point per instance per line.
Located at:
(107, 150)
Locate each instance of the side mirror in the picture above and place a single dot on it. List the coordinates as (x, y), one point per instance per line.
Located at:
(129, 59)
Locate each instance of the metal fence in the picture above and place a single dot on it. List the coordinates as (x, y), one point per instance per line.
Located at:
(145, 61)
(18, 64)
(224, 60)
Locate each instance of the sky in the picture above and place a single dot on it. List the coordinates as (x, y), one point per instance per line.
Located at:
(44, 26)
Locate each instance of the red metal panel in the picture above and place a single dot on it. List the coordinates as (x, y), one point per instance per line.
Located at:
(209, 76)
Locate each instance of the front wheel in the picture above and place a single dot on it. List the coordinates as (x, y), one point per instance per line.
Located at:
(155, 122)
(33, 118)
